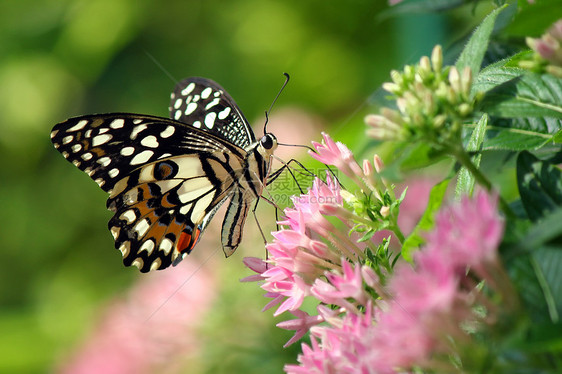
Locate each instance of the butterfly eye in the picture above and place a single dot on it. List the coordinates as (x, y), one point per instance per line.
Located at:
(267, 141)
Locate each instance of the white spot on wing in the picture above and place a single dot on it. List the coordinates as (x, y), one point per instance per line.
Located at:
(138, 263)
(210, 119)
(125, 248)
(104, 161)
(177, 104)
(128, 216)
(147, 246)
(142, 227)
(177, 115)
(67, 139)
(190, 108)
(185, 209)
(115, 231)
(206, 92)
(86, 156)
(103, 130)
(101, 139)
(188, 89)
(142, 157)
(79, 126)
(156, 264)
(117, 123)
(113, 172)
(76, 147)
(137, 130)
(224, 113)
(127, 151)
(212, 104)
(166, 245)
(150, 141)
(197, 124)
(168, 132)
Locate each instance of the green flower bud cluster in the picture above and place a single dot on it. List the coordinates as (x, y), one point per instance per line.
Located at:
(432, 102)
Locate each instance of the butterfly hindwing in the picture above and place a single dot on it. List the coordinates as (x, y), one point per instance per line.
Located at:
(204, 104)
(161, 209)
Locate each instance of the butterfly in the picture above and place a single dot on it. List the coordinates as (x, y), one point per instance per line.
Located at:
(166, 178)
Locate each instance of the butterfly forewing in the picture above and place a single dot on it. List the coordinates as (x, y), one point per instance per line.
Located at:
(205, 105)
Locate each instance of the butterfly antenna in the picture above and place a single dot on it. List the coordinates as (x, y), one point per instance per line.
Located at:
(161, 67)
(287, 77)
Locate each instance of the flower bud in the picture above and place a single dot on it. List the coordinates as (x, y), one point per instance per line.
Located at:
(392, 88)
(464, 109)
(385, 211)
(367, 168)
(437, 58)
(454, 79)
(379, 165)
(397, 77)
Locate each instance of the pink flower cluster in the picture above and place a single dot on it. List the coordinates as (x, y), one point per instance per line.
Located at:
(298, 251)
(411, 321)
(153, 330)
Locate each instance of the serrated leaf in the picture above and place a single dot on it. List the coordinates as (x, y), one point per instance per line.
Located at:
(522, 273)
(518, 134)
(367, 236)
(465, 181)
(473, 53)
(547, 263)
(426, 222)
(516, 93)
(540, 185)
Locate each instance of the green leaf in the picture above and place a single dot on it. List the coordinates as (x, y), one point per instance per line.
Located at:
(525, 107)
(473, 53)
(520, 134)
(515, 93)
(540, 185)
(465, 181)
(419, 155)
(534, 17)
(415, 239)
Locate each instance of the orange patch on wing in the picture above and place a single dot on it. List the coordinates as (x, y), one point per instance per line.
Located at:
(188, 241)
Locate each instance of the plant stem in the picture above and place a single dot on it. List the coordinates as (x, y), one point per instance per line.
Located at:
(464, 159)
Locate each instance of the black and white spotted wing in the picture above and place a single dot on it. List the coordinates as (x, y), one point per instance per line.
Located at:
(166, 178)
(207, 106)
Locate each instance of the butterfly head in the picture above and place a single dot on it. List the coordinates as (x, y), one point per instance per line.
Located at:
(268, 144)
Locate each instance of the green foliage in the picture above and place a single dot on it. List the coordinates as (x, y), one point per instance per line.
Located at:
(540, 186)
(465, 180)
(61, 59)
(415, 239)
(473, 53)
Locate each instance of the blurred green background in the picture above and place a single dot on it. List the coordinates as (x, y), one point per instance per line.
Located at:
(59, 59)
